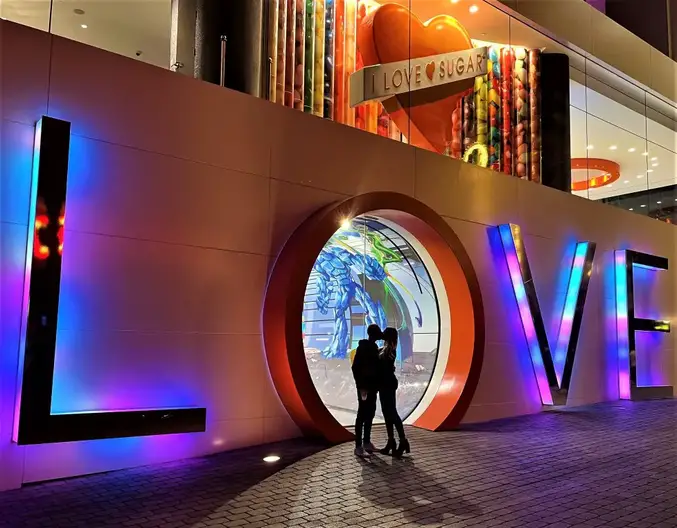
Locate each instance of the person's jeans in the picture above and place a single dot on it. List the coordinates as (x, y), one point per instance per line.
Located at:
(366, 409)
(390, 415)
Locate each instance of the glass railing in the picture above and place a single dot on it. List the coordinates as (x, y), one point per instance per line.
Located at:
(461, 78)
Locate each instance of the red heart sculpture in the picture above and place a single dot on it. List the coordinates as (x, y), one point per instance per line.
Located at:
(392, 33)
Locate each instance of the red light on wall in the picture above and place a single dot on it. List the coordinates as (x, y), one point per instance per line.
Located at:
(40, 251)
(59, 235)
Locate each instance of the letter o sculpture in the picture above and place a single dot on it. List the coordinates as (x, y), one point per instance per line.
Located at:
(283, 307)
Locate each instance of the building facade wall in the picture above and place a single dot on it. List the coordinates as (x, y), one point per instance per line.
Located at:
(175, 220)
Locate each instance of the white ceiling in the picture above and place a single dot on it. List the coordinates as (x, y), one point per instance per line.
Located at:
(121, 26)
(644, 163)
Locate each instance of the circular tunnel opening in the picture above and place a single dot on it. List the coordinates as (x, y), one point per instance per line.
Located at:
(370, 271)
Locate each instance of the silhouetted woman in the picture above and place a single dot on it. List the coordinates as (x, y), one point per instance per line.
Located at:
(387, 389)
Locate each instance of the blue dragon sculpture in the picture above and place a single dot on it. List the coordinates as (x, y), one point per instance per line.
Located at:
(334, 267)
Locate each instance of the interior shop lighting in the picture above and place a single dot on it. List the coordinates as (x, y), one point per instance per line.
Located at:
(84, 26)
(613, 147)
(632, 149)
(271, 459)
(473, 9)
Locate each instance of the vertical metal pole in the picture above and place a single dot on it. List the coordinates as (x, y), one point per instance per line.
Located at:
(224, 42)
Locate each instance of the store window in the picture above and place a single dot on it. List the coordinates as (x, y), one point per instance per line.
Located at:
(369, 272)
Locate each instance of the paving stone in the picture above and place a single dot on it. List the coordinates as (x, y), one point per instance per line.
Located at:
(601, 466)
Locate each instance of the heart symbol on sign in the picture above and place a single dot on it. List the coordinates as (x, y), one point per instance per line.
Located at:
(430, 69)
(391, 33)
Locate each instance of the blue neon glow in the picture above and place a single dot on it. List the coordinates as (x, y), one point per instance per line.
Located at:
(511, 240)
(571, 300)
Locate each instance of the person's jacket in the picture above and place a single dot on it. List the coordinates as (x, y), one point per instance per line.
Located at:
(386, 369)
(365, 365)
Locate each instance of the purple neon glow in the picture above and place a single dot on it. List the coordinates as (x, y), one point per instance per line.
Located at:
(566, 322)
(507, 233)
(622, 324)
(33, 204)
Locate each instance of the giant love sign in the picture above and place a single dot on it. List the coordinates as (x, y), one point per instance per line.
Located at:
(552, 357)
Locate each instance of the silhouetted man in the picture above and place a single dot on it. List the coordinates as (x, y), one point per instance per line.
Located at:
(365, 372)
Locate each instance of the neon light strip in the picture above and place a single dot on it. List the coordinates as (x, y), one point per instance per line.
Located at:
(551, 373)
(622, 335)
(507, 233)
(569, 311)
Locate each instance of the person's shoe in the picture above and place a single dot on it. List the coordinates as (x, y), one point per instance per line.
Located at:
(390, 446)
(404, 447)
(360, 452)
(369, 447)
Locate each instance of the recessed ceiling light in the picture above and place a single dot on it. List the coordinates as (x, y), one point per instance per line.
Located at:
(79, 11)
(654, 164)
(659, 202)
(271, 459)
(654, 159)
(455, 1)
(632, 149)
(613, 147)
(473, 9)
(640, 176)
(643, 205)
(610, 185)
(590, 147)
(346, 224)
(650, 170)
(626, 181)
(631, 209)
(84, 26)
(645, 153)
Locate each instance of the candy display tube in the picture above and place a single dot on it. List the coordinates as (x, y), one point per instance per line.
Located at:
(506, 108)
(494, 80)
(521, 100)
(309, 62)
(339, 61)
(350, 58)
(535, 115)
(329, 28)
(281, 51)
(273, 12)
(290, 54)
(300, 43)
(318, 81)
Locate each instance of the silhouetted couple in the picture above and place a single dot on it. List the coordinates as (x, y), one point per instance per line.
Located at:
(374, 372)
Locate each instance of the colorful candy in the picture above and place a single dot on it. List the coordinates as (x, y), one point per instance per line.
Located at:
(299, 70)
(290, 59)
(521, 101)
(309, 66)
(281, 51)
(318, 81)
(535, 115)
(494, 80)
(329, 27)
(339, 62)
(507, 60)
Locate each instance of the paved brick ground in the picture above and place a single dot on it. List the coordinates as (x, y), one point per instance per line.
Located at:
(611, 465)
